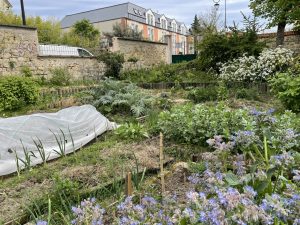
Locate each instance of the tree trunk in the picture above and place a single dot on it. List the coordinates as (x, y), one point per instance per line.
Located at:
(280, 33)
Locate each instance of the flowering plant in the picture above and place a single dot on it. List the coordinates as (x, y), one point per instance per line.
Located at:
(249, 68)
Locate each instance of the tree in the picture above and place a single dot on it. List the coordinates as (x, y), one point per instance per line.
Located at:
(125, 31)
(195, 27)
(278, 13)
(84, 29)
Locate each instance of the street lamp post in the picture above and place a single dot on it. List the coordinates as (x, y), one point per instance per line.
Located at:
(217, 6)
(23, 13)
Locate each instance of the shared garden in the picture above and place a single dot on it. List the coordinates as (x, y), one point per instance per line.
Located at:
(229, 130)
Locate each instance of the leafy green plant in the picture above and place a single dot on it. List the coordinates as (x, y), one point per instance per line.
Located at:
(133, 59)
(17, 91)
(26, 72)
(132, 131)
(119, 97)
(287, 89)
(180, 72)
(249, 94)
(199, 95)
(60, 77)
(114, 63)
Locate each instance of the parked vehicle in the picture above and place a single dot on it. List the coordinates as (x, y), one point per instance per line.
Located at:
(63, 50)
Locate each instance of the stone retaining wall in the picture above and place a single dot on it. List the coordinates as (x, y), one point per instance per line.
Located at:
(291, 40)
(19, 49)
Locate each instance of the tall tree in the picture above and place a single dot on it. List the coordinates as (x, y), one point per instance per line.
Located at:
(278, 13)
(195, 27)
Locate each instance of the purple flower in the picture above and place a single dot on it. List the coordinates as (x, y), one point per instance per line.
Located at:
(41, 222)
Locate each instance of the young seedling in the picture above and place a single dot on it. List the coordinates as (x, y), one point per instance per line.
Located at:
(61, 142)
(27, 160)
(40, 147)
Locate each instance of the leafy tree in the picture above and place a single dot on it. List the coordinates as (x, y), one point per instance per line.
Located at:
(278, 12)
(126, 32)
(82, 34)
(84, 29)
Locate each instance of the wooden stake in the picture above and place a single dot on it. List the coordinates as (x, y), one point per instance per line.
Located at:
(161, 162)
(128, 185)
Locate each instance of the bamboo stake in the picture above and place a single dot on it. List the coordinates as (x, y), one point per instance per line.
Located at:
(161, 162)
(128, 185)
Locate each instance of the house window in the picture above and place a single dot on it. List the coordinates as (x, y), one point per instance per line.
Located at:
(150, 19)
(150, 34)
(163, 24)
(174, 27)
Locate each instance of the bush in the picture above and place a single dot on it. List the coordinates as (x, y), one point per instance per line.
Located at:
(181, 72)
(287, 89)
(249, 94)
(220, 48)
(114, 63)
(195, 124)
(119, 97)
(16, 92)
(60, 77)
(199, 95)
(25, 71)
(249, 68)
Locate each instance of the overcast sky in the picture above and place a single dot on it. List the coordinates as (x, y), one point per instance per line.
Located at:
(182, 10)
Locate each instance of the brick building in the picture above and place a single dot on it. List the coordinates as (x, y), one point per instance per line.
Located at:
(154, 26)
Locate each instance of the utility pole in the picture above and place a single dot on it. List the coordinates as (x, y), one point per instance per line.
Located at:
(23, 13)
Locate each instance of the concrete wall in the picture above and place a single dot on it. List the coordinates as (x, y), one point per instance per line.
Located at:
(291, 40)
(19, 49)
(148, 53)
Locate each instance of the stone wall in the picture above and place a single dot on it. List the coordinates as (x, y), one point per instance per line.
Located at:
(19, 49)
(148, 53)
(291, 40)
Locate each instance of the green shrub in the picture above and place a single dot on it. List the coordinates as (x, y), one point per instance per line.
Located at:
(16, 92)
(181, 72)
(114, 63)
(60, 77)
(199, 95)
(195, 124)
(249, 94)
(25, 71)
(220, 48)
(119, 97)
(287, 88)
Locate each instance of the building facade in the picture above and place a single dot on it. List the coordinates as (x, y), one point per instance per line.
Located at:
(5, 5)
(153, 26)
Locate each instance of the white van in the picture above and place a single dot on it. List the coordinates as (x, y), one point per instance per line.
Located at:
(63, 50)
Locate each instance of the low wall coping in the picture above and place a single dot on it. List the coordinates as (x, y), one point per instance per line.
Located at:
(17, 27)
(288, 33)
(136, 40)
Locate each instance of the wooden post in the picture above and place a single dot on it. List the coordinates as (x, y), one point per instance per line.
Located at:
(128, 185)
(161, 162)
